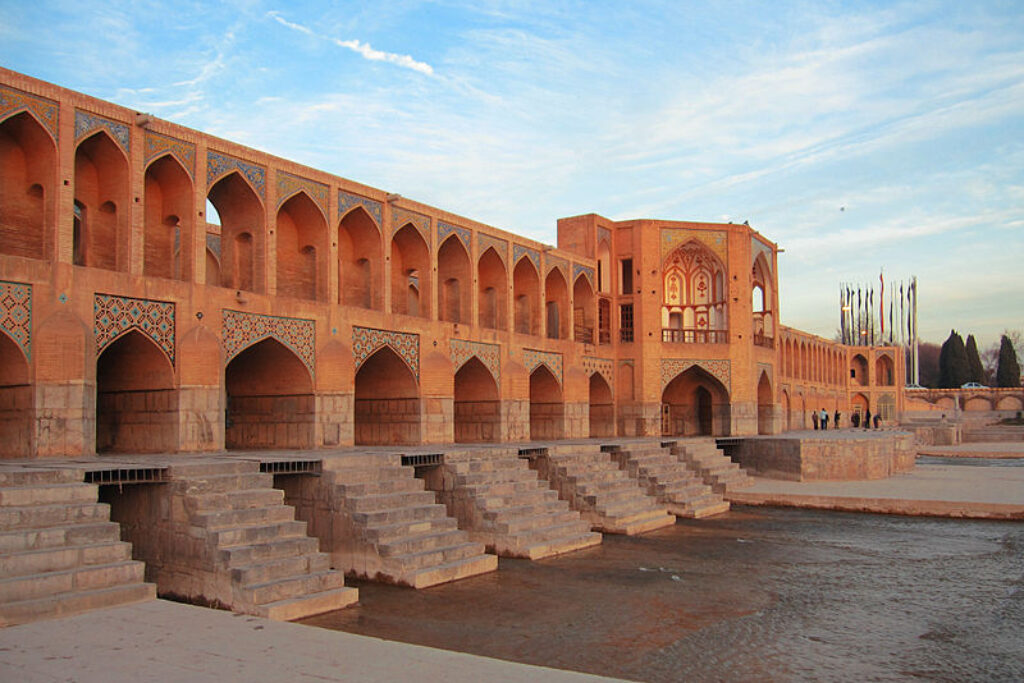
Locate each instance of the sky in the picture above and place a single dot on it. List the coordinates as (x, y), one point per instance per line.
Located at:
(859, 136)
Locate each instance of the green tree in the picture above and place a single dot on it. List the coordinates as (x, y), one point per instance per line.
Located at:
(953, 367)
(1008, 373)
(976, 370)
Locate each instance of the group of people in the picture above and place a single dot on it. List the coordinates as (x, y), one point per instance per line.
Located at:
(820, 420)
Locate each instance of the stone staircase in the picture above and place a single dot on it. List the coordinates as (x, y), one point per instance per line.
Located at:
(59, 552)
(715, 469)
(604, 495)
(379, 522)
(669, 481)
(242, 547)
(501, 503)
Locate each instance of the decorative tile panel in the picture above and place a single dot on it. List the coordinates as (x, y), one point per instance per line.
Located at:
(347, 200)
(602, 366)
(533, 358)
(115, 315)
(518, 251)
(366, 341)
(715, 240)
(500, 246)
(445, 229)
(16, 314)
(604, 235)
(578, 268)
(213, 244)
(489, 354)
(399, 217)
(86, 124)
(560, 263)
(719, 369)
(15, 101)
(288, 185)
(242, 330)
(219, 165)
(185, 152)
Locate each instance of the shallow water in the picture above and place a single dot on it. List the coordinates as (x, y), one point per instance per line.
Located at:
(757, 594)
(970, 462)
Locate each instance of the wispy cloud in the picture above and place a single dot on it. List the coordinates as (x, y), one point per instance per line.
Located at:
(363, 49)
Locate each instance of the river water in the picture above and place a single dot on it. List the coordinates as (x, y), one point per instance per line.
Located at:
(757, 594)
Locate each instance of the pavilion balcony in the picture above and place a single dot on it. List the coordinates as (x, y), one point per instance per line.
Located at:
(694, 336)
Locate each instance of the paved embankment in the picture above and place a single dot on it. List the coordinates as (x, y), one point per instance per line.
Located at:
(994, 450)
(928, 490)
(167, 642)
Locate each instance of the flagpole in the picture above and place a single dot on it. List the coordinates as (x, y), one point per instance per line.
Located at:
(917, 368)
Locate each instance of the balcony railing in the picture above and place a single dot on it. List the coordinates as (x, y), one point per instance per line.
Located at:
(694, 336)
(584, 334)
(764, 340)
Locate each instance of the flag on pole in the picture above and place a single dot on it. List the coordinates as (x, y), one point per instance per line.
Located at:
(881, 302)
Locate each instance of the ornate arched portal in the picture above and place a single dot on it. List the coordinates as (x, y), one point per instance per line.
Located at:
(695, 403)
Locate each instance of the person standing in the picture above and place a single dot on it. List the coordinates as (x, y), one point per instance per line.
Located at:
(814, 419)
(824, 420)
(835, 421)
(867, 419)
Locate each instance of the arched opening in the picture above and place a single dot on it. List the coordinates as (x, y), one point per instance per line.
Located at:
(241, 236)
(787, 410)
(167, 246)
(455, 275)
(136, 402)
(493, 291)
(101, 188)
(859, 405)
(477, 406)
(410, 273)
(301, 268)
(27, 158)
(269, 399)
(212, 268)
(387, 401)
(885, 374)
(556, 305)
(887, 407)
(764, 322)
(16, 402)
(695, 404)
(547, 411)
(602, 409)
(764, 405)
(526, 292)
(859, 370)
(604, 267)
(583, 310)
(695, 293)
(359, 261)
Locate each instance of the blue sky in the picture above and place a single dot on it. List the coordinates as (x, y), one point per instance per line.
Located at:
(857, 135)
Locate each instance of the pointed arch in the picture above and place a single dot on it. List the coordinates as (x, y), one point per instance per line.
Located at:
(493, 291)
(360, 261)
(584, 310)
(168, 229)
(387, 401)
(411, 282)
(556, 305)
(27, 193)
(17, 401)
(604, 267)
(762, 304)
(242, 233)
(526, 293)
(101, 190)
(477, 405)
(547, 407)
(301, 246)
(885, 371)
(602, 407)
(695, 403)
(454, 277)
(695, 295)
(765, 404)
(859, 370)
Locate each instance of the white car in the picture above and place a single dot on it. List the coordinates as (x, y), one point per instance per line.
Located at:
(973, 385)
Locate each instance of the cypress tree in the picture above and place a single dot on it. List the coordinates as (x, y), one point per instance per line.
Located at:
(953, 366)
(976, 371)
(1008, 372)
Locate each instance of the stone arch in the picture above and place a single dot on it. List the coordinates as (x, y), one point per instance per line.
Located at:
(762, 297)
(859, 405)
(410, 273)
(242, 221)
(167, 243)
(765, 404)
(1010, 403)
(526, 294)
(604, 267)
(27, 188)
(885, 371)
(454, 277)
(547, 406)
(976, 404)
(787, 410)
(103, 213)
(602, 407)
(695, 403)
(493, 291)
(477, 405)
(360, 262)
(695, 296)
(136, 400)
(583, 310)
(17, 401)
(301, 233)
(270, 402)
(556, 305)
(387, 401)
(859, 370)
(887, 407)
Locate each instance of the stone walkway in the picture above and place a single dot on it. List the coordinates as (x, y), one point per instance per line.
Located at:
(170, 642)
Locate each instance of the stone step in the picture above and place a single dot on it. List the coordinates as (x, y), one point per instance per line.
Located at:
(228, 519)
(200, 469)
(488, 500)
(528, 523)
(636, 522)
(368, 475)
(37, 477)
(490, 465)
(375, 518)
(34, 586)
(435, 557)
(292, 587)
(421, 542)
(550, 547)
(247, 555)
(32, 495)
(308, 605)
(450, 571)
(383, 486)
(495, 476)
(220, 483)
(282, 567)
(386, 501)
(45, 516)
(700, 508)
(362, 461)
(388, 533)
(234, 500)
(520, 509)
(67, 557)
(256, 533)
(75, 602)
(19, 540)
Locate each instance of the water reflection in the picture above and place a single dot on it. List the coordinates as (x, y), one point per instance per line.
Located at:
(758, 594)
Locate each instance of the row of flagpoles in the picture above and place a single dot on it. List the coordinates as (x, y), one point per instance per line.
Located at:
(863, 323)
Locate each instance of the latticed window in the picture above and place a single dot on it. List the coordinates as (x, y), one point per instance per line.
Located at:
(626, 322)
(694, 308)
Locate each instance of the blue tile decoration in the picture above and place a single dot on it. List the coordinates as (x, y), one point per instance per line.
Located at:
(86, 124)
(241, 330)
(578, 268)
(114, 315)
(461, 350)
(518, 251)
(602, 366)
(445, 229)
(47, 112)
(500, 246)
(367, 340)
(604, 235)
(719, 369)
(347, 200)
(401, 217)
(16, 314)
(560, 263)
(288, 185)
(532, 358)
(158, 145)
(219, 165)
